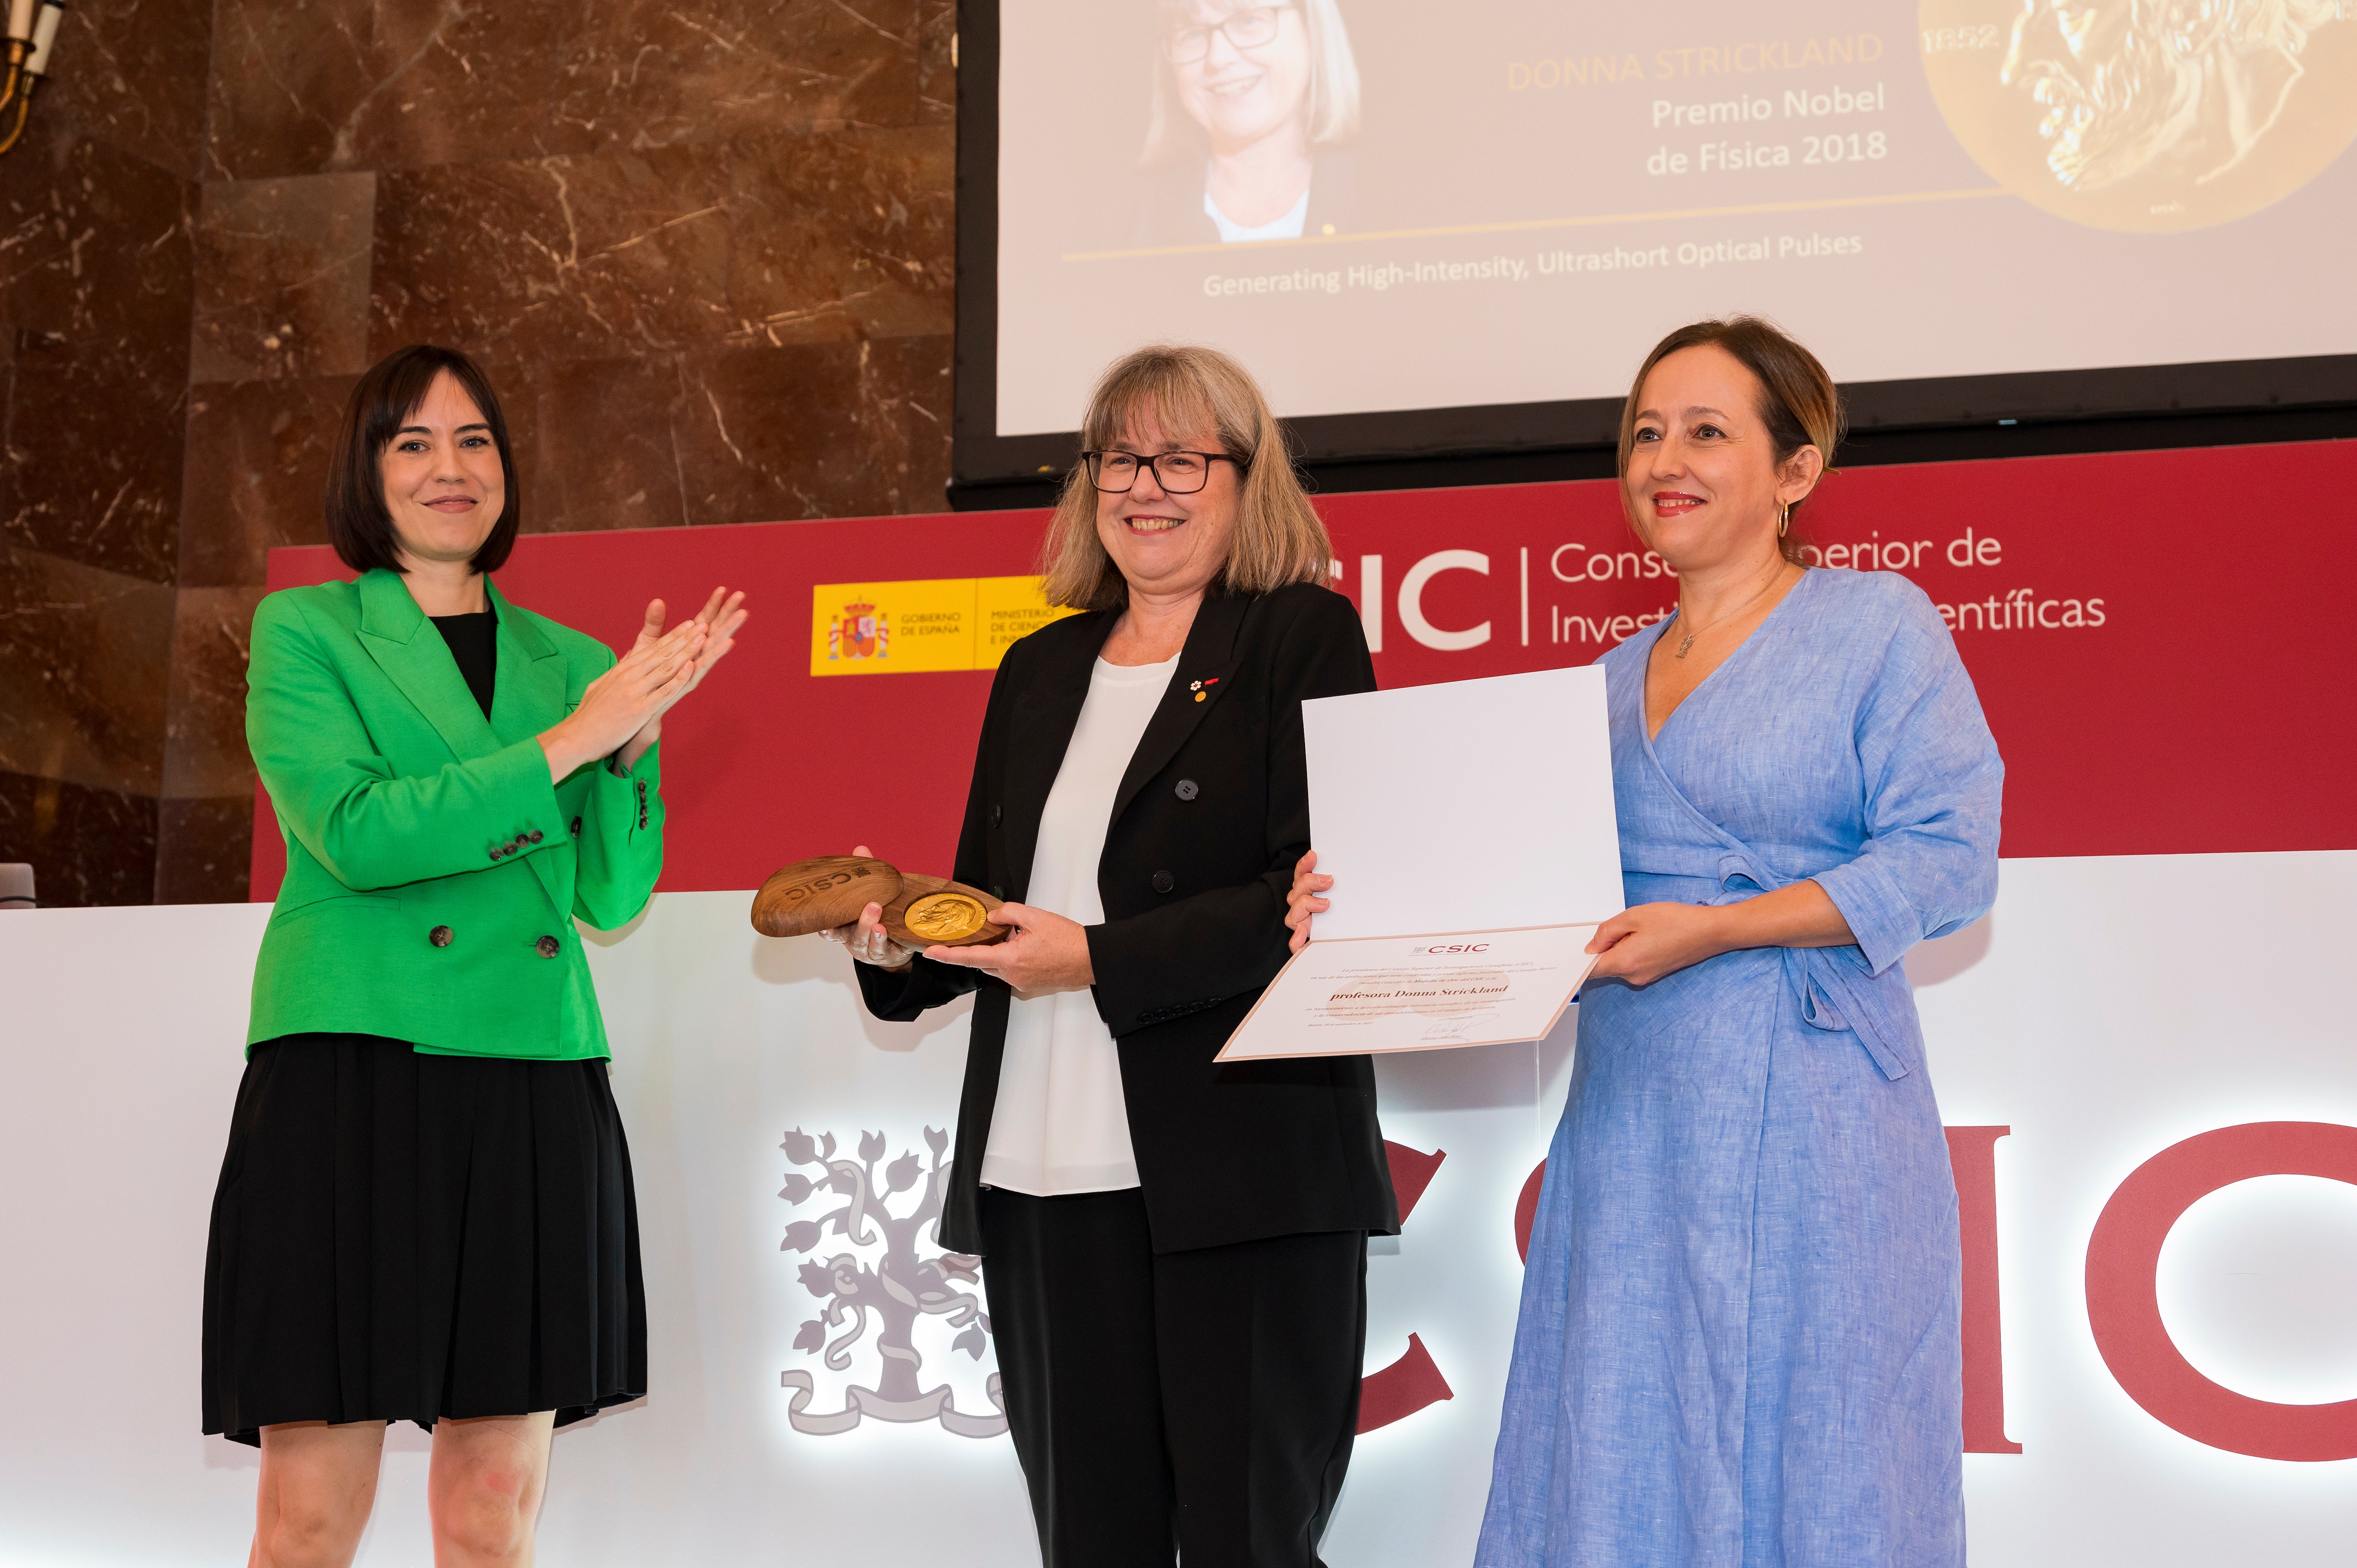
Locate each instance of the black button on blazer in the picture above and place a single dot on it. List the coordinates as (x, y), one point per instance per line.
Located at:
(1226, 1154)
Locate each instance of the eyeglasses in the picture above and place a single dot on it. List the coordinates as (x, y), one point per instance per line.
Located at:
(1178, 473)
(1252, 30)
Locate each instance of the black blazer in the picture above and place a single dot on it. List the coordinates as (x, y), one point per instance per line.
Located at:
(1210, 818)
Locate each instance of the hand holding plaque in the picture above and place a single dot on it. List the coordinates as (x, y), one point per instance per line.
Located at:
(832, 890)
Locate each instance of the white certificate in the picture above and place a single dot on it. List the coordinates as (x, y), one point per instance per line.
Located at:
(1477, 808)
(1355, 994)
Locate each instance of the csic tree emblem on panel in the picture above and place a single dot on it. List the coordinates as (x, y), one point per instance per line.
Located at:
(885, 1301)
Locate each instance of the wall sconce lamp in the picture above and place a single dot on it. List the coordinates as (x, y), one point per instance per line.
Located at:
(31, 39)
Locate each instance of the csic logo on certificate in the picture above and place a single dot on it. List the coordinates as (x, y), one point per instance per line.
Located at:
(885, 1279)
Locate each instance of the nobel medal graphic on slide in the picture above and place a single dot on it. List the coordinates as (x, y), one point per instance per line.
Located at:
(2147, 115)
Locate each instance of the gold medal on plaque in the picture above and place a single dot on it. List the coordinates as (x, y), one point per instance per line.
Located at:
(2146, 116)
(945, 916)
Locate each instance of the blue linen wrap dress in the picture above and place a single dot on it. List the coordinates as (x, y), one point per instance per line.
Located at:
(1738, 1341)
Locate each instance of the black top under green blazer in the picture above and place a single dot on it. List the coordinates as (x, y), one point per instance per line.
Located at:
(1211, 817)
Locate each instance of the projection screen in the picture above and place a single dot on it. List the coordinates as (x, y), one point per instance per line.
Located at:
(1498, 205)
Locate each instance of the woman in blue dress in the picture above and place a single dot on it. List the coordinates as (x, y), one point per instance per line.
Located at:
(1738, 1341)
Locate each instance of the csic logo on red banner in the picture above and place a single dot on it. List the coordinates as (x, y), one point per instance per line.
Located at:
(2081, 589)
(1562, 591)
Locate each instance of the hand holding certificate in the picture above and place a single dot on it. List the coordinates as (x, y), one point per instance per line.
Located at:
(1359, 995)
(1469, 831)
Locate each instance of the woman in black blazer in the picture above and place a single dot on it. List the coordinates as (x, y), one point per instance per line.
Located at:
(1174, 1250)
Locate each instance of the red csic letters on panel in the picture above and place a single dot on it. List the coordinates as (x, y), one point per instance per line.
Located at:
(2124, 1302)
(1972, 1156)
(1413, 1381)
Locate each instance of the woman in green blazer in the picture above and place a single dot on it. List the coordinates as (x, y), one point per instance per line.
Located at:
(425, 1209)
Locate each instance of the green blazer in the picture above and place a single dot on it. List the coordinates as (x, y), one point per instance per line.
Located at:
(433, 869)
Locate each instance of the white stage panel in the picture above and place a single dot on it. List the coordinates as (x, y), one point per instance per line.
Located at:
(2109, 1008)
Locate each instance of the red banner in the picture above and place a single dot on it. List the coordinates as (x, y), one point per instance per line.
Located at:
(2155, 679)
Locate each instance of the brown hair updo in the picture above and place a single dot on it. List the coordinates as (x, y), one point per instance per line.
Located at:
(1798, 401)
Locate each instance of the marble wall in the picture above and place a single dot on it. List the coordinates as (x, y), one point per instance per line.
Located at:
(704, 247)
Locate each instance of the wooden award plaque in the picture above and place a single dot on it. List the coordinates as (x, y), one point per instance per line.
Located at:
(831, 890)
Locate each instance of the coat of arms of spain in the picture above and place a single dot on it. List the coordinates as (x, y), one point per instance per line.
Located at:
(861, 631)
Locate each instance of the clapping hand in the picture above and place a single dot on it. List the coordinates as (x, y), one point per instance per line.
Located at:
(722, 614)
(621, 713)
(623, 702)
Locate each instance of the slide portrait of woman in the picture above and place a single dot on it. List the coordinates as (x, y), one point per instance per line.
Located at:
(1252, 106)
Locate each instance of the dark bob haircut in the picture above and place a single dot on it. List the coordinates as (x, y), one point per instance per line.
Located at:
(387, 396)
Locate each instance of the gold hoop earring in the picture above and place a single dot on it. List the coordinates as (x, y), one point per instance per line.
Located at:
(1784, 523)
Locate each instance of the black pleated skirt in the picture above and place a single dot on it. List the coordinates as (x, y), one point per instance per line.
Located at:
(402, 1237)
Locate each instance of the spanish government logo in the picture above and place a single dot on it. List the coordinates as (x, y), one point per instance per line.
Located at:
(921, 626)
(861, 631)
(881, 1282)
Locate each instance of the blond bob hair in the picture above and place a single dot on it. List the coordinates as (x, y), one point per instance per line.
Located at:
(1171, 136)
(1278, 537)
(1798, 401)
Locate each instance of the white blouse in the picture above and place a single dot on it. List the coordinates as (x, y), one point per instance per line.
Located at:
(1286, 225)
(1061, 1124)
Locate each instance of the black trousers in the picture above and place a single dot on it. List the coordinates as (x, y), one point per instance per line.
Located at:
(1202, 1401)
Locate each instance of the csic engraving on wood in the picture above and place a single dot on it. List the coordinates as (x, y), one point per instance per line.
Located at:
(820, 894)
